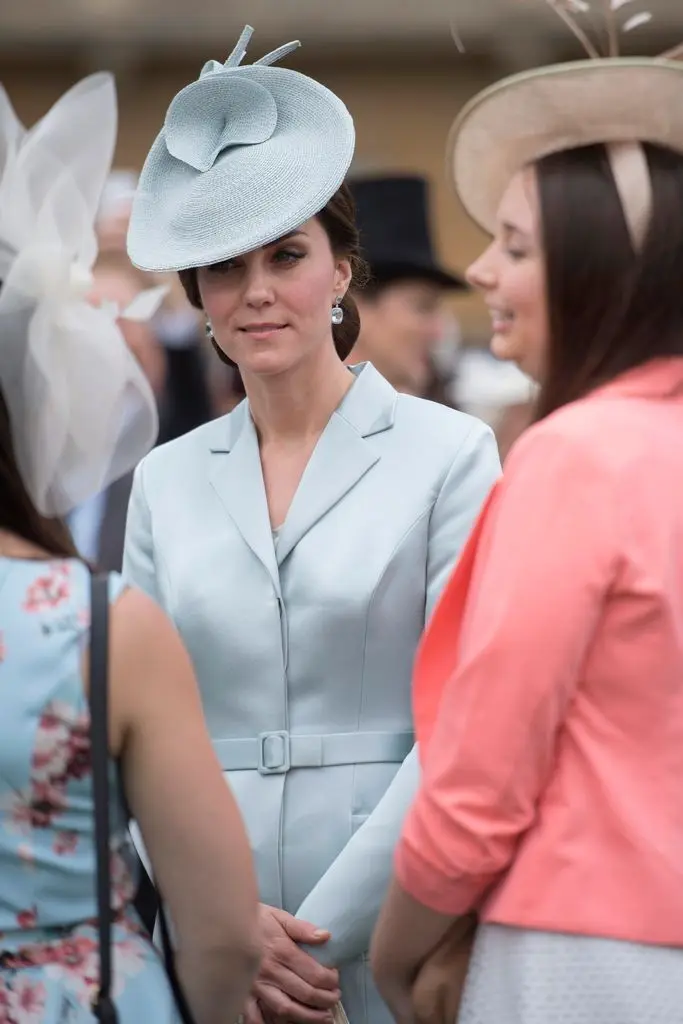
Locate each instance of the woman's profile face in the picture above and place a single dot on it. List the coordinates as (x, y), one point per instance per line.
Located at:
(511, 276)
(271, 308)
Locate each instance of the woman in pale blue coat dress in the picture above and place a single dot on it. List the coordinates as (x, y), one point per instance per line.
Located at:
(300, 542)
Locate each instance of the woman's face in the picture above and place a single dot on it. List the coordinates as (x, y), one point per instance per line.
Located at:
(270, 310)
(511, 276)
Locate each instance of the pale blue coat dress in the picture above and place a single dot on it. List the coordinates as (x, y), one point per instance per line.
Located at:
(303, 644)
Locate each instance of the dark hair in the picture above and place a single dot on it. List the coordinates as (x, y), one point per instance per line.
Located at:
(338, 218)
(18, 514)
(610, 309)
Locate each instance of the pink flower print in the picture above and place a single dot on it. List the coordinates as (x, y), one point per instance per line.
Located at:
(78, 958)
(27, 919)
(27, 999)
(47, 801)
(62, 747)
(61, 753)
(123, 887)
(65, 843)
(16, 806)
(79, 953)
(50, 756)
(38, 808)
(129, 960)
(26, 854)
(50, 590)
(78, 750)
(60, 715)
(4, 1003)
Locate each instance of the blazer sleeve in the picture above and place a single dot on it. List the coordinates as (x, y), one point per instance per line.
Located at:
(347, 899)
(547, 559)
(139, 568)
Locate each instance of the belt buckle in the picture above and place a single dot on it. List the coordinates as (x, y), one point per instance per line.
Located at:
(273, 752)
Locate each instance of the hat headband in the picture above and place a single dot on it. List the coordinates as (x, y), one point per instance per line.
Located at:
(634, 185)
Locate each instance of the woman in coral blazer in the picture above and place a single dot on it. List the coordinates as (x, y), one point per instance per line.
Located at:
(548, 691)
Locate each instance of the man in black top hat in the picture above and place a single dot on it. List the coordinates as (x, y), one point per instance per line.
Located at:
(401, 308)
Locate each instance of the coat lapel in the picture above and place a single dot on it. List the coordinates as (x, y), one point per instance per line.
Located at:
(237, 478)
(342, 456)
(340, 459)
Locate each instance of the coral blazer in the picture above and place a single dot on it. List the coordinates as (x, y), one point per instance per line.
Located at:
(548, 691)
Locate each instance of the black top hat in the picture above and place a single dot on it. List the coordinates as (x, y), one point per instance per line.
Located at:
(393, 219)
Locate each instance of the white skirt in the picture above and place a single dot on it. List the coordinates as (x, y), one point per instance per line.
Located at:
(518, 976)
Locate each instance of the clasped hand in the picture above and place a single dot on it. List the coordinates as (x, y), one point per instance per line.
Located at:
(291, 984)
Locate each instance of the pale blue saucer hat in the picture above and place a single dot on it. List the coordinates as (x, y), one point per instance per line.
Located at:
(247, 154)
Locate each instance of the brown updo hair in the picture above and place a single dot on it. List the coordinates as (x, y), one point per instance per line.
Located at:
(338, 218)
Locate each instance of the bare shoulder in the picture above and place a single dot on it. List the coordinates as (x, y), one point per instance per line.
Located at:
(136, 618)
(150, 668)
(14, 546)
(143, 636)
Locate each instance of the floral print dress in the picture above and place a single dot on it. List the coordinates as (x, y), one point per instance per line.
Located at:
(49, 960)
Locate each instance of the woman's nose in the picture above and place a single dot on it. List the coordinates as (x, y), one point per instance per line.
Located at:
(258, 285)
(481, 273)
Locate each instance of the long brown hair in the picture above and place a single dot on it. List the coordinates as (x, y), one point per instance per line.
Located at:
(610, 309)
(18, 514)
(338, 218)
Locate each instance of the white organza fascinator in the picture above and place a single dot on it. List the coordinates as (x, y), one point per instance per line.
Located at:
(81, 410)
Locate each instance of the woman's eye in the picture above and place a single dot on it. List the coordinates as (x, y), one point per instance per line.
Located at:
(222, 268)
(516, 254)
(288, 256)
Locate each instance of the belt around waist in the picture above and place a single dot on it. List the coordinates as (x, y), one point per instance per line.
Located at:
(274, 753)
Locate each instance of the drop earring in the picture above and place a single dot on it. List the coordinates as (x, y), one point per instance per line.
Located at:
(208, 329)
(337, 312)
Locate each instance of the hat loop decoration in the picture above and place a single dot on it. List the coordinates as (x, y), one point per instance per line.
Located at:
(621, 102)
(246, 154)
(241, 113)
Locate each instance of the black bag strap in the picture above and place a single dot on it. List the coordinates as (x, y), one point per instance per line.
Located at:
(103, 1006)
(169, 961)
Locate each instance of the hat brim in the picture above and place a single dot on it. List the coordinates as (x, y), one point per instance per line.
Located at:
(528, 116)
(385, 272)
(253, 194)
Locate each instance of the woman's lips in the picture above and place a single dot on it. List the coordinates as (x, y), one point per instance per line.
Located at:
(261, 331)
